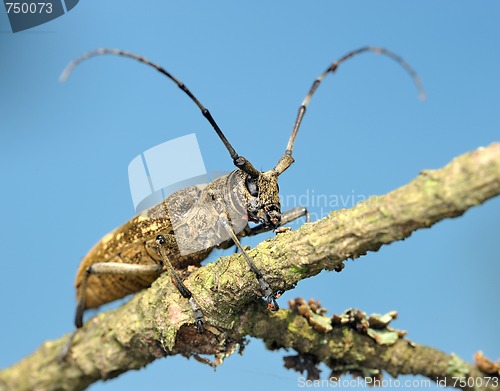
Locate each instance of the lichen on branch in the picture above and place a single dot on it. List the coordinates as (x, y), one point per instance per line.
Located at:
(363, 346)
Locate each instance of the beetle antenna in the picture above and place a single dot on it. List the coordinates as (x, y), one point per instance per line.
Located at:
(286, 160)
(239, 161)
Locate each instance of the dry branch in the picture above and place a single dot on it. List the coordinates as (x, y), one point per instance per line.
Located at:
(157, 321)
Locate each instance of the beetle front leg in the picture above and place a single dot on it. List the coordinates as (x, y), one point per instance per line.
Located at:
(286, 217)
(271, 295)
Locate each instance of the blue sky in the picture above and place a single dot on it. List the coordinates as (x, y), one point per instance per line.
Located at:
(65, 149)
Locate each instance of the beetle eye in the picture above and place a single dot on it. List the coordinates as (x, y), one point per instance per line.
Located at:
(252, 187)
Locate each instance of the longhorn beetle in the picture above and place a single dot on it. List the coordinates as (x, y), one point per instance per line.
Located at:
(184, 228)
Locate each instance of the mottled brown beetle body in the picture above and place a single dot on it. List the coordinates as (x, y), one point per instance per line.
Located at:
(134, 242)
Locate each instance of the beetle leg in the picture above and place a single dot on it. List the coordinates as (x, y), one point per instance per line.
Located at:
(101, 268)
(286, 217)
(264, 285)
(295, 213)
(184, 291)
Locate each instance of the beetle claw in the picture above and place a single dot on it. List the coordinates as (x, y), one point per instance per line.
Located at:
(199, 326)
(272, 304)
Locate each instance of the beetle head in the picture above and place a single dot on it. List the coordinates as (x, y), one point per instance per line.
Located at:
(264, 204)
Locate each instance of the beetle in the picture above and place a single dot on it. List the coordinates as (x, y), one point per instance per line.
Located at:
(184, 228)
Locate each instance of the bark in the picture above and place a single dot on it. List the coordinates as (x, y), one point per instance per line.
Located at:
(158, 321)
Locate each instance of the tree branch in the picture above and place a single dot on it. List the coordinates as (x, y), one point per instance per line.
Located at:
(158, 321)
(359, 345)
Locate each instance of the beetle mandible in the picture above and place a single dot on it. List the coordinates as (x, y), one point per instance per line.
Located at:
(184, 228)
